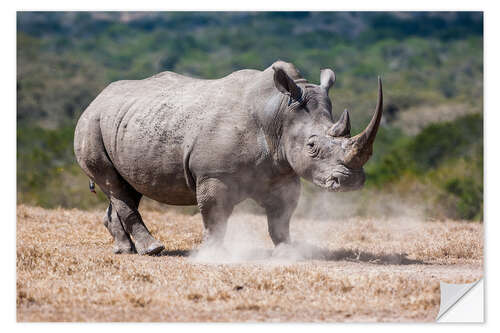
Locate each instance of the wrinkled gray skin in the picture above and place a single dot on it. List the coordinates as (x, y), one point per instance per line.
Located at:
(215, 143)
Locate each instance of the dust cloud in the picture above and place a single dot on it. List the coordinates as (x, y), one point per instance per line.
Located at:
(247, 238)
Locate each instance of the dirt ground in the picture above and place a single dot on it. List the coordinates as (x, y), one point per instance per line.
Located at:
(352, 270)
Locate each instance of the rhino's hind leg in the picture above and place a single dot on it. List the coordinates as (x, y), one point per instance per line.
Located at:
(124, 213)
(94, 160)
(122, 241)
(126, 208)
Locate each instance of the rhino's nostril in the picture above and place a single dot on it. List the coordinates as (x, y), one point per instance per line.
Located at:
(335, 180)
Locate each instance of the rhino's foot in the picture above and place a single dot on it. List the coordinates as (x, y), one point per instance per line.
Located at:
(154, 248)
(124, 249)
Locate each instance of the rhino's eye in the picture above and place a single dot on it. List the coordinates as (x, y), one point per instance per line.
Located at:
(312, 147)
(311, 142)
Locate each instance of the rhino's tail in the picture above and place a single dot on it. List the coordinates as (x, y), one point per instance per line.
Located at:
(92, 186)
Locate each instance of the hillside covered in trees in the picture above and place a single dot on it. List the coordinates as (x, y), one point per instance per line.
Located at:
(428, 154)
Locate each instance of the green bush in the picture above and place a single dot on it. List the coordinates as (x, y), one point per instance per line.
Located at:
(470, 197)
(447, 156)
(446, 140)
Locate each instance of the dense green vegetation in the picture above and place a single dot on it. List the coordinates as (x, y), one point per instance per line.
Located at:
(447, 155)
(427, 60)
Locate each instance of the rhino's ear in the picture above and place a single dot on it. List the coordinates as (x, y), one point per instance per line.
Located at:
(327, 78)
(285, 84)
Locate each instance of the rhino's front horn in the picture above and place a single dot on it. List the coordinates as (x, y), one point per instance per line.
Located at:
(362, 144)
(342, 128)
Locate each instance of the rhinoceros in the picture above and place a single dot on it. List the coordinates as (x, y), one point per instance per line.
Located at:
(214, 143)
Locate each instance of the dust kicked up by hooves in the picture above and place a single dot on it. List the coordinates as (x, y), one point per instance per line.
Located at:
(246, 242)
(250, 243)
(244, 253)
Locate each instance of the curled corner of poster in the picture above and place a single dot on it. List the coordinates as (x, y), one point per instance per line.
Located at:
(461, 303)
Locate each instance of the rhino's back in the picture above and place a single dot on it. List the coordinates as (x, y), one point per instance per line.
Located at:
(151, 126)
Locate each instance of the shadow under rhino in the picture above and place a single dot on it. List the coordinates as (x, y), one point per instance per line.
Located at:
(301, 252)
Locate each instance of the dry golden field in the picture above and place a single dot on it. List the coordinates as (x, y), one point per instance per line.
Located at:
(349, 270)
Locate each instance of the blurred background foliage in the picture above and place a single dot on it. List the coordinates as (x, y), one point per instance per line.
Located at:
(428, 154)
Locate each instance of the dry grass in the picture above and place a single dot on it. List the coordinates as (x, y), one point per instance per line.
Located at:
(357, 270)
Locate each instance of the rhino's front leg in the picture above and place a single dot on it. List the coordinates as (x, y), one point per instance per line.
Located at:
(280, 204)
(216, 205)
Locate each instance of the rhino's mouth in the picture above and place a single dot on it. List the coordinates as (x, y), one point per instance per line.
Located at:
(343, 182)
(332, 183)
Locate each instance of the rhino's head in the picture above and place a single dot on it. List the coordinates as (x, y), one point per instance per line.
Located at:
(318, 149)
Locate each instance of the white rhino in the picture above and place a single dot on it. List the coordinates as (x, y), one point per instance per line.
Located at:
(215, 143)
